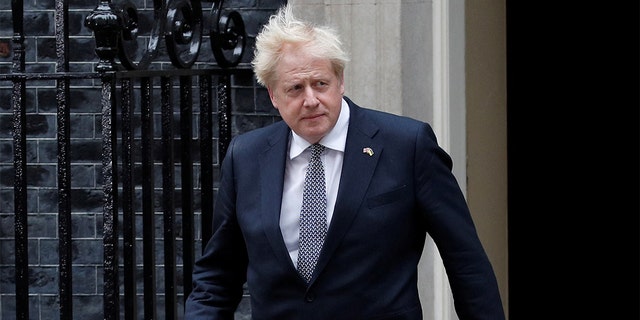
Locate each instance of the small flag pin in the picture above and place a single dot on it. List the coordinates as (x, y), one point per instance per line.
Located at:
(368, 151)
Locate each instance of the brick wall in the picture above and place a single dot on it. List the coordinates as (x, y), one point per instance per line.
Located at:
(251, 109)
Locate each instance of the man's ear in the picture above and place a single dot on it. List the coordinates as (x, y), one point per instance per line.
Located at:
(272, 97)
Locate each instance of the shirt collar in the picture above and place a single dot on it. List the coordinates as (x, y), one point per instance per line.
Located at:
(335, 139)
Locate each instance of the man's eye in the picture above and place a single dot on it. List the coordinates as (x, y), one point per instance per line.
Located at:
(295, 90)
(321, 85)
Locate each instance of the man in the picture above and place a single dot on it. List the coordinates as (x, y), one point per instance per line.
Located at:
(384, 184)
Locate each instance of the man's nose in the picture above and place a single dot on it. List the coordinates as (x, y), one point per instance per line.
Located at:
(310, 99)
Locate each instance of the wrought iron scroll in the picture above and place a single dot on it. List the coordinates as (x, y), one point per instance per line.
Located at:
(128, 42)
(184, 32)
(179, 23)
(228, 36)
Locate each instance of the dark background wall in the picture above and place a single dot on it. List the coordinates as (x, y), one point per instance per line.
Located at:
(251, 109)
(573, 160)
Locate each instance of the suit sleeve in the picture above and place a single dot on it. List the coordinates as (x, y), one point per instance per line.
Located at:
(449, 222)
(219, 274)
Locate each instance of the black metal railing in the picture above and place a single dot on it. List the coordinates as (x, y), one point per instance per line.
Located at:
(127, 81)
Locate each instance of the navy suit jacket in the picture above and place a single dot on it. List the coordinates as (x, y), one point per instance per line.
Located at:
(387, 203)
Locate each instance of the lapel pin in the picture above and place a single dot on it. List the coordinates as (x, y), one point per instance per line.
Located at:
(368, 151)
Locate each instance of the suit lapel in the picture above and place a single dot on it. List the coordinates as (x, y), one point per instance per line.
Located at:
(272, 165)
(357, 171)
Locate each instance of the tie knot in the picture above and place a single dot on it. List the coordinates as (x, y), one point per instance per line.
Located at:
(316, 150)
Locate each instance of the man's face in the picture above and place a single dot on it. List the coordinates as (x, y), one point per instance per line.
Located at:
(307, 93)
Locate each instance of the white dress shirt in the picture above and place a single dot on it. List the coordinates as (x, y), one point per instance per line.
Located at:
(294, 173)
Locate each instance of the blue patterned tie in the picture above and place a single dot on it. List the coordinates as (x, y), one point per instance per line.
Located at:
(313, 217)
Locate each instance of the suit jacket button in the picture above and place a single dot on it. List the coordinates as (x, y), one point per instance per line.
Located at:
(309, 297)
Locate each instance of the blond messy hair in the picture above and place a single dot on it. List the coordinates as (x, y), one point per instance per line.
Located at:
(284, 28)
